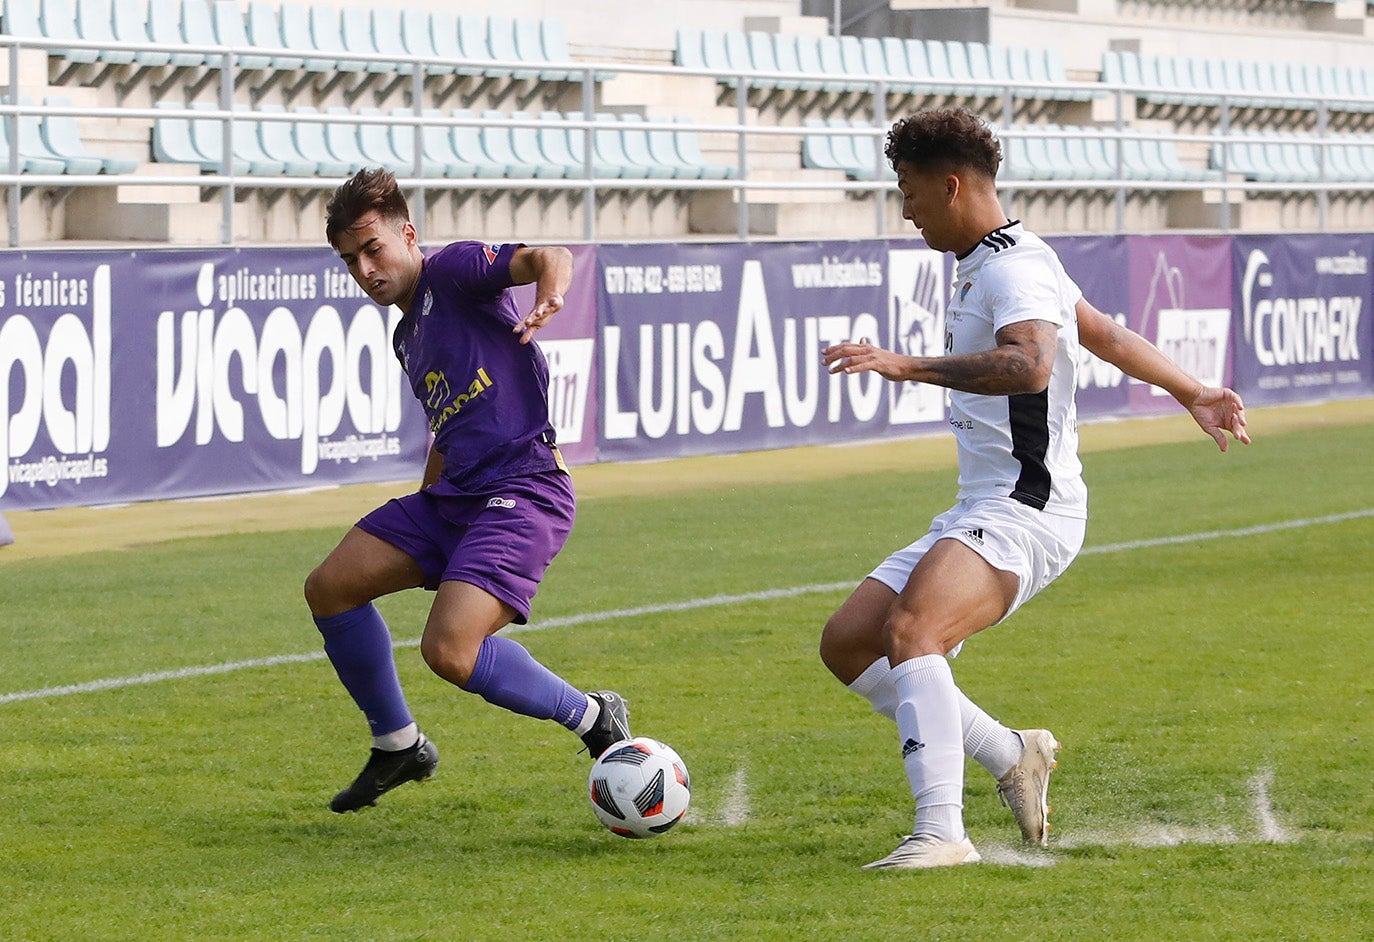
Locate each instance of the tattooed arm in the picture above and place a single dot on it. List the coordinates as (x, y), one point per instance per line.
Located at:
(1020, 363)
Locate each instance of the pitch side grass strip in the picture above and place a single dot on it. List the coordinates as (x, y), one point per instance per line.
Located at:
(712, 601)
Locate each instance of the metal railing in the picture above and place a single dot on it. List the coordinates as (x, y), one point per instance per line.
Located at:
(228, 182)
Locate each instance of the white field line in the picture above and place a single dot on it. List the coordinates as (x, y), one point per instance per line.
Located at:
(713, 601)
(1269, 827)
(734, 806)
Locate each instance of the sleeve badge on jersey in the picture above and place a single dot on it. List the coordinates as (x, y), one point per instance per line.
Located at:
(491, 251)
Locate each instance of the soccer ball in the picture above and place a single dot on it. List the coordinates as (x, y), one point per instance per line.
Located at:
(639, 787)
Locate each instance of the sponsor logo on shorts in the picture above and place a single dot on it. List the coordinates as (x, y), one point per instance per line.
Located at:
(505, 502)
(911, 746)
(975, 535)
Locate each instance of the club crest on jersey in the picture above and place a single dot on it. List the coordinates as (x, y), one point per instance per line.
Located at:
(963, 292)
(427, 304)
(491, 251)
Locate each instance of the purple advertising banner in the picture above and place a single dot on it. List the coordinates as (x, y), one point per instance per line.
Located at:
(716, 348)
(1180, 297)
(1097, 264)
(569, 344)
(1301, 324)
(153, 374)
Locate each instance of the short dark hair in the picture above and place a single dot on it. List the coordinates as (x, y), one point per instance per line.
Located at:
(944, 139)
(372, 188)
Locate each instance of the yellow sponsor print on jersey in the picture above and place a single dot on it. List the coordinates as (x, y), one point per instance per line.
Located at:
(439, 393)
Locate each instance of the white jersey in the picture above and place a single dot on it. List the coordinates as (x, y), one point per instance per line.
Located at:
(1023, 446)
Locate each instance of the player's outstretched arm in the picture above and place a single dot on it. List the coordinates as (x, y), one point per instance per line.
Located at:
(550, 269)
(1217, 410)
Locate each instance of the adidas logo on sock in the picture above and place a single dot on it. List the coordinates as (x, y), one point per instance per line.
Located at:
(911, 746)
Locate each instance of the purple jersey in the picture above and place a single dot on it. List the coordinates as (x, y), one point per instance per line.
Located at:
(485, 394)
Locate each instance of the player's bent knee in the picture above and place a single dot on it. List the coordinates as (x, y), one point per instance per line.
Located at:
(906, 637)
(451, 661)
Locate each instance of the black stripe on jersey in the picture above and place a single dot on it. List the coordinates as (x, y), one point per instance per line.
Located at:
(998, 239)
(1030, 442)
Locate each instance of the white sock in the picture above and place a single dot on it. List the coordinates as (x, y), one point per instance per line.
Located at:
(996, 747)
(932, 744)
(590, 717)
(875, 686)
(403, 738)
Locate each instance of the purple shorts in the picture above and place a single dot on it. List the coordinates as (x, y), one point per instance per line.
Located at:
(500, 541)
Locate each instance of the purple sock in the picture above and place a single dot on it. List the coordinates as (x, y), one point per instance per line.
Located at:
(359, 646)
(507, 676)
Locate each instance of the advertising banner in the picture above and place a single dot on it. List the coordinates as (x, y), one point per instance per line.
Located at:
(153, 374)
(1301, 324)
(569, 345)
(716, 348)
(1097, 264)
(1180, 296)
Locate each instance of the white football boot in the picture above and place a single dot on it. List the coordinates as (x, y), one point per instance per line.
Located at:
(923, 851)
(1025, 789)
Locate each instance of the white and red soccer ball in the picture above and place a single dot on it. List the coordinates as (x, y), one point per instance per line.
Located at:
(639, 787)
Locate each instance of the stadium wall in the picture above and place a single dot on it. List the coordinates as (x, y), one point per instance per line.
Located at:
(138, 375)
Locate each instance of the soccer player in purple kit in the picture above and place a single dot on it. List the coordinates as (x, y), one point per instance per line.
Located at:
(496, 502)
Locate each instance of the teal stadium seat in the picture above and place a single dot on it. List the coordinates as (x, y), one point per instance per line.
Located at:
(524, 145)
(715, 55)
(230, 30)
(374, 140)
(326, 37)
(402, 141)
(208, 136)
(689, 149)
(95, 23)
(388, 39)
(263, 26)
(663, 149)
(529, 47)
(418, 40)
(57, 20)
(355, 33)
(443, 34)
(831, 55)
(341, 137)
(501, 42)
(473, 44)
(610, 149)
(785, 54)
(172, 142)
(496, 141)
(165, 25)
(436, 141)
(277, 143)
(467, 147)
(63, 139)
(635, 141)
(33, 145)
(129, 23)
(818, 153)
(764, 58)
(902, 81)
(809, 58)
(308, 138)
(555, 144)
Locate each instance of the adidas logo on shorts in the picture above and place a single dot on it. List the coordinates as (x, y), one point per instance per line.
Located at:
(975, 535)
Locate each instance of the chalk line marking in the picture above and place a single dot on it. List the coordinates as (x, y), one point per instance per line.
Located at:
(713, 601)
(734, 807)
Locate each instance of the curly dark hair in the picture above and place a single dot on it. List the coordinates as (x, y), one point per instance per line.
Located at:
(372, 188)
(944, 139)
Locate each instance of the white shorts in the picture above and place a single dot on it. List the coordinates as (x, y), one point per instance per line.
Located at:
(1030, 544)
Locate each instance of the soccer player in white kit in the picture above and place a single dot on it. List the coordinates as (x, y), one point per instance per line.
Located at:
(1013, 329)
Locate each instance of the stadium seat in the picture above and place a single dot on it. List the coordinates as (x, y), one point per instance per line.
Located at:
(817, 152)
(830, 52)
(230, 30)
(577, 141)
(355, 33)
(763, 56)
(809, 59)
(473, 44)
(689, 149)
(556, 145)
(277, 143)
(635, 141)
(501, 42)
(172, 141)
(528, 43)
(496, 141)
(418, 39)
(95, 23)
(63, 139)
(308, 137)
(402, 141)
(467, 147)
(57, 20)
(436, 139)
(208, 137)
(263, 26)
(388, 39)
(715, 55)
(663, 149)
(443, 34)
(326, 37)
(296, 34)
(785, 55)
(524, 143)
(129, 23)
(375, 141)
(165, 26)
(901, 78)
(37, 156)
(341, 138)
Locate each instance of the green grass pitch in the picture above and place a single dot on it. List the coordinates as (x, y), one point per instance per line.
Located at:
(1215, 698)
